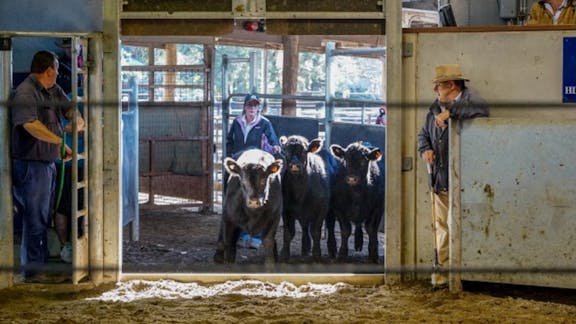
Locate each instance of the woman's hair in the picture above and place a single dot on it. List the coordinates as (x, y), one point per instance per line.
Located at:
(42, 61)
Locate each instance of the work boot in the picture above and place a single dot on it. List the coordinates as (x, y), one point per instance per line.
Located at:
(439, 281)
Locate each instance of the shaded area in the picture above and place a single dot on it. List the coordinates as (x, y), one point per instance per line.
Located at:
(180, 240)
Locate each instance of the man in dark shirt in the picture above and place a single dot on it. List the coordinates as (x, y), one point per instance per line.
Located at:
(36, 111)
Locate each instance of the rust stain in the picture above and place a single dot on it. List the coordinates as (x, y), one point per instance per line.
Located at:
(489, 191)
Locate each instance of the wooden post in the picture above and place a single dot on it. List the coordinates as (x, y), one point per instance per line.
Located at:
(290, 74)
(171, 60)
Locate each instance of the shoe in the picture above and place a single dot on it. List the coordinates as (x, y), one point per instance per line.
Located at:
(44, 278)
(66, 253)
(255, 243)
(244, 241)
(439, 281)
(443, 286)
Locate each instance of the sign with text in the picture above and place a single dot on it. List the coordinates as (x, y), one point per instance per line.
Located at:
(569, 70)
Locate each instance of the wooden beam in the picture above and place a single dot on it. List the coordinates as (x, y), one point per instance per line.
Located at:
(290, 74)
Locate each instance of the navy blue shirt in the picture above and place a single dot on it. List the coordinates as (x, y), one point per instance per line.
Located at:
(235, 140)
(31, 102)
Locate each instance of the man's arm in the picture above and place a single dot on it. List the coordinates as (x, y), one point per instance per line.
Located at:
(41, 132)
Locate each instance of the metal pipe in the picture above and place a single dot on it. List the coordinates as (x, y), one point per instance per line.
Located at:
(359, 51)
(6, 208)
(12, 33)
(252, 61)
(329, 95)
(225, 104)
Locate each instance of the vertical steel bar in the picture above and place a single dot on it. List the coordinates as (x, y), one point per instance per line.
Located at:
(6, 208)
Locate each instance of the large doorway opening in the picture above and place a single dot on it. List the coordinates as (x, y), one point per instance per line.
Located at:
(179, 232)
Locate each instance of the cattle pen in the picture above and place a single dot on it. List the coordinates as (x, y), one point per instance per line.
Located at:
(159, 83)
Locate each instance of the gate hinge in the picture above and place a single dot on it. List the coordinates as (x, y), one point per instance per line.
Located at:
(407, 49)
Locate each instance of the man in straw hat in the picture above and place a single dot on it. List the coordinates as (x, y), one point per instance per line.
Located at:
(455, 101)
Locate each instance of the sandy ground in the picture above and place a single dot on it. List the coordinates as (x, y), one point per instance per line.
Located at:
(413, 303)
(178, 240)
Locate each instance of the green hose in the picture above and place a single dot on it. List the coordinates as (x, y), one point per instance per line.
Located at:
(62, 168)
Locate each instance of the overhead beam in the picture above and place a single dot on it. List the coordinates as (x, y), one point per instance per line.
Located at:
(207, 15)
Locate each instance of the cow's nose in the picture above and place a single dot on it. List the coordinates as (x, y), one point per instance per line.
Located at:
(253, 203)
(352, 180)
(294, 168)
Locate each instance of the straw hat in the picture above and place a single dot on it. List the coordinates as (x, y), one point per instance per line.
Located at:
(448, 72)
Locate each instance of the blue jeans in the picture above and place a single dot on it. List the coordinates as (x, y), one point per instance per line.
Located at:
(257, 236)
(34, 184)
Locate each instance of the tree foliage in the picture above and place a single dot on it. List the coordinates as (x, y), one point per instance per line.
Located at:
(349, 74)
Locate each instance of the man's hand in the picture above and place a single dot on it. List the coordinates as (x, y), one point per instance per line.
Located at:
(79, 124)
(67, 153)
(441, 119)
(428, 156)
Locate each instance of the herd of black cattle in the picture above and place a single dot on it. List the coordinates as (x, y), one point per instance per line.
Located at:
(308, 184)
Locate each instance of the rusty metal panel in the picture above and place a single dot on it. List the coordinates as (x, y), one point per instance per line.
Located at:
(174, 154)
(518, 201)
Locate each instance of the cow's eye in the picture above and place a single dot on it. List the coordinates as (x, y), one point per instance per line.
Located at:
(263, 182)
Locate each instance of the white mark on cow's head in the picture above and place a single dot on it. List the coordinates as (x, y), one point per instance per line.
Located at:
(255, 169)
(296, 149)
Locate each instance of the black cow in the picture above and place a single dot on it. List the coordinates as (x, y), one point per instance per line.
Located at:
(358, 196)
(306, 193)
(253, 203)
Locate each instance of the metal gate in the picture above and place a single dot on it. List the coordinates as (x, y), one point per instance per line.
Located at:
(175, 137)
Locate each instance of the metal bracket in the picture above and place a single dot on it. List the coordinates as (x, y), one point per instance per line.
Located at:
(407, 163)
(249, 9)
(5, 43)
(407, 49)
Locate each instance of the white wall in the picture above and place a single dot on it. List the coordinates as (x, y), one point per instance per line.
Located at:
(518, 72)
(63, 16)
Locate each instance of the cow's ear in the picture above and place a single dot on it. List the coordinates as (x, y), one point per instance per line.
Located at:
(375, 154)
(283, 140)
(337, 151)
(232, 167)
(275, 167)
(315, 145)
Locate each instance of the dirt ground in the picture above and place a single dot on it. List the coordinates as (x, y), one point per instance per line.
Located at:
(413, 303)
(180, 240)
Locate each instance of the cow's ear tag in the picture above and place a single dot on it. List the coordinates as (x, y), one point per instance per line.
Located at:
(275, 167)
(374, 155)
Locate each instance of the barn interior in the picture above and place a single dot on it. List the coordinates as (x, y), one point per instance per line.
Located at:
(513, 198)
